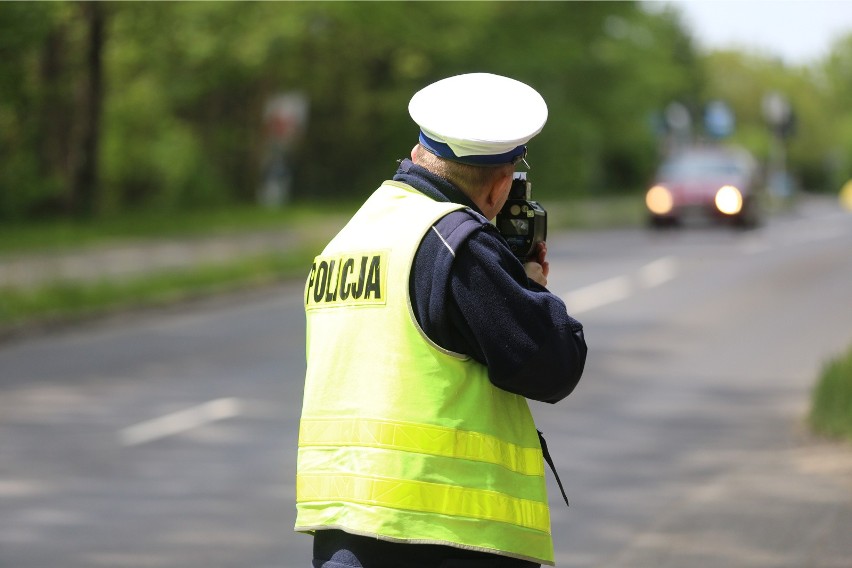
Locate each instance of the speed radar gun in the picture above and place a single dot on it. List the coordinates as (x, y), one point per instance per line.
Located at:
(522, 222)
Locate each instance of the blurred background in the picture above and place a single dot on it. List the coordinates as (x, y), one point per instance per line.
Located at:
(114, 107)
(169, 169)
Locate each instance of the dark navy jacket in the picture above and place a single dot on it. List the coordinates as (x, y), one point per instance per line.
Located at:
(479, 302)
(482, 304)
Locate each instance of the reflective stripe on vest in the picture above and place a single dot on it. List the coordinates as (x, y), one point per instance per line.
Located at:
(421, 438)
(425, 497)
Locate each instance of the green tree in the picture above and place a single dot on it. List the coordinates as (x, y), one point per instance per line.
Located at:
(743, 80)
(184, 86)
(836, 75)
(33, 99)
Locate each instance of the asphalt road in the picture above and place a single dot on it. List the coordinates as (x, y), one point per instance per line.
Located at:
(167, 438)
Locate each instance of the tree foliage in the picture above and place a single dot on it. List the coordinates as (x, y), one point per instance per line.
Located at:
(744, 80)
(184, 86)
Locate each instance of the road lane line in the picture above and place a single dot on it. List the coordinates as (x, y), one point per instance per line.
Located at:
(621, 287)
(181, 421)
(658, 272)
(598, 294)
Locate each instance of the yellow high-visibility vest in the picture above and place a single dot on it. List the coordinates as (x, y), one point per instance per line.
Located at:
(399, 438)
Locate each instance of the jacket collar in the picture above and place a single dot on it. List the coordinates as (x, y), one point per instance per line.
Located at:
(431, 185)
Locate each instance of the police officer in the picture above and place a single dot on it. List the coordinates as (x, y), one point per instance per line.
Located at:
(425, 337)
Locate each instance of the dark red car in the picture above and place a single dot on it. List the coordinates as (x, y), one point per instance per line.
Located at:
(712, 183)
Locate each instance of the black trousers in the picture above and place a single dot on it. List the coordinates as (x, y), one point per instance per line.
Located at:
(338, 549)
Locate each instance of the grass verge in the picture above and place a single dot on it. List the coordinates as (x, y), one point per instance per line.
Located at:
(62, 301)
(831, 404)
(604, 212)
(60, 235)
(66, 300)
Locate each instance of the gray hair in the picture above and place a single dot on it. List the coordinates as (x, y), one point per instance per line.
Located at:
(472, 180)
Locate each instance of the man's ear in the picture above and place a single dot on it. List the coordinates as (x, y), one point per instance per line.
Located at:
(498, 187)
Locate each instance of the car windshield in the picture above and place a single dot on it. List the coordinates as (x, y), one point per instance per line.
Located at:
(700, 167)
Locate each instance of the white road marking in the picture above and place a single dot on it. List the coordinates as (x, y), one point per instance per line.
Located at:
(181, 421)
(618, 288)
(598, 294)
(658, 272)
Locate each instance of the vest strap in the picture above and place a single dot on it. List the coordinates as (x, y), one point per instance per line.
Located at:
(549, 461)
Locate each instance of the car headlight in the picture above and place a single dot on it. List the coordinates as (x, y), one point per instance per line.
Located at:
(729, 200)
(659, 200)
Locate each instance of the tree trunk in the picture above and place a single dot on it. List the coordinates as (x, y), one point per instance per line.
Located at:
(85, 183)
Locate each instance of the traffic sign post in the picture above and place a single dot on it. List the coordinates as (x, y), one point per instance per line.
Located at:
(718, 120)
(285, 118)
(779, 115)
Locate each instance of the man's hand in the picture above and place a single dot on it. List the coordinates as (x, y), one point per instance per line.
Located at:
(537, 268)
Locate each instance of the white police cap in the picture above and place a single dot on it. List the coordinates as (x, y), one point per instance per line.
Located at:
(478, 118)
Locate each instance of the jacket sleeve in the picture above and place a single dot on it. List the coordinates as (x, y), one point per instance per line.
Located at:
(517, 328)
